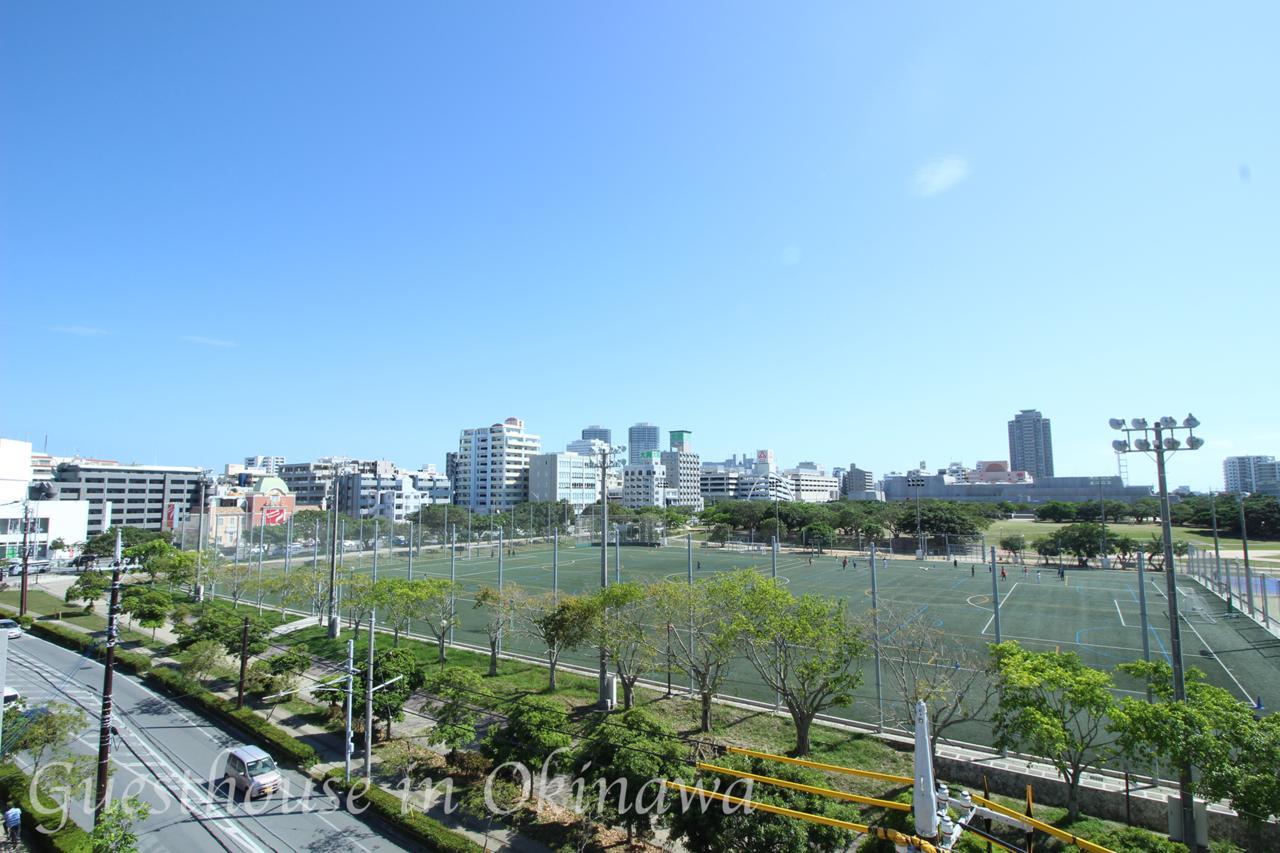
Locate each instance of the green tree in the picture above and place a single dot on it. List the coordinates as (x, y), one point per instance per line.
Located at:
(388, 701)
(433, 606)
(705, 631)
(623, 616)
(1056, 511)
(396, 603)
(1083, 540)
(176, 568)
(202, 658)
(359, 599)
(630, 753)
(231, 578)
(1125, 549)
(146, 553)
(458, 692)
(113, 831)
(1054, 706)
(150, 606)
(1014, 543)
(1235, 753)
(89, 587)
(225, 628)
(501, 608)
(711, 828)
(719, 533)
(1046, 547)
(1145, 509)
(104, 544)
(807, 649)
(560, 626)
(820, 535)
(533, 729)
(44, 730)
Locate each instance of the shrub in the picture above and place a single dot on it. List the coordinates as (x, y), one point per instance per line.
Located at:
(467, 763)
(15, 787)
(433, 834)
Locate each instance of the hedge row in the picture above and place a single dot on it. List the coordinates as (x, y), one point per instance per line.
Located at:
(281, 745)
(79, 641)
(15, 787)
(431, 833)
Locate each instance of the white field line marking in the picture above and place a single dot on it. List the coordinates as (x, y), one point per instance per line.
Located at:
(1002, 601)
(1120, 614)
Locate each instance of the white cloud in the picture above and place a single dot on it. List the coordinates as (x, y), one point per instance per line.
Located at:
(790, 255)
(208, 342)
(82, 331)
(938, 176)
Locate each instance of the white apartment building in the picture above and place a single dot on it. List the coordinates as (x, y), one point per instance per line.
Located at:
(46, 520)
(1253, 474)
(810, 484)
(269, 465)
(592, 447)
(571, 477)
(644, 483)
(732, 484)
(492, 466)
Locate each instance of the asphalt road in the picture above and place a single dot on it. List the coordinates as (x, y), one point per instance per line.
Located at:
(174, 760)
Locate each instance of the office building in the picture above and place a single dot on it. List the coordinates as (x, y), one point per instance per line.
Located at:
(266, 464)
(811, 484)
(599, 433)
(492, 468)
(729, 483)
(859, 485)
(570, 477)
(1031, 444)
(641, 439)
(683, 472)
(1253, 474)
(1074, 489)
(153, 497)
(644, 482)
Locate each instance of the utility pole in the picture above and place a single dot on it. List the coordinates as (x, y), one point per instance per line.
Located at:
(104, 729)
(26, 555)
(351, 672)
(244, 661)
(1244, 542)
(368, 700)
(604, 465)
(333, 566)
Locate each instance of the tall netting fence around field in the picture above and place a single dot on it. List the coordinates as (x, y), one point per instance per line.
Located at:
(934, 601)
(1246, 588)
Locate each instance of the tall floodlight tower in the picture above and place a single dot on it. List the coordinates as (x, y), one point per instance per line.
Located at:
(1159, 439)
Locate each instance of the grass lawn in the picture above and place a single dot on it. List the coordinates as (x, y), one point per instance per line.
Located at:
(1202, 538)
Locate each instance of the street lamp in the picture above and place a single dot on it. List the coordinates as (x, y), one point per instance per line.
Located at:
(1160, 438)
(917, 483)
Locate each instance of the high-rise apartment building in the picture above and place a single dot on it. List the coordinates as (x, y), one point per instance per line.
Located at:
(570, 477)
(1253, 474)
(269, 465)
(1031, 444)
(683, 472)
(641, 439)
(644, 482)
(598, 432)
(492, 467)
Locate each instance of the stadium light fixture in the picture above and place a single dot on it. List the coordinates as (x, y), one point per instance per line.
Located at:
(1159, 437)
(1117, 423)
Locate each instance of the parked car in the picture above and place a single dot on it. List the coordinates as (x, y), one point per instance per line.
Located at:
(84, 561)
(250, 769)
(11, 695)
(13, 629)
(34, 567)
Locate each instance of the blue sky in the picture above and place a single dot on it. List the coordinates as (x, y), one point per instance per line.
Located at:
(848, 232)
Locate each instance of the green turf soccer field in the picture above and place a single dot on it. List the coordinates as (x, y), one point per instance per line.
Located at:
(1091, 612)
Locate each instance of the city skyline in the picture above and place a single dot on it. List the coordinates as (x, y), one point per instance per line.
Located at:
(719, 450)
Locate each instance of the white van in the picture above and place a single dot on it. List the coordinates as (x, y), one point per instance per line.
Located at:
(250, 769)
